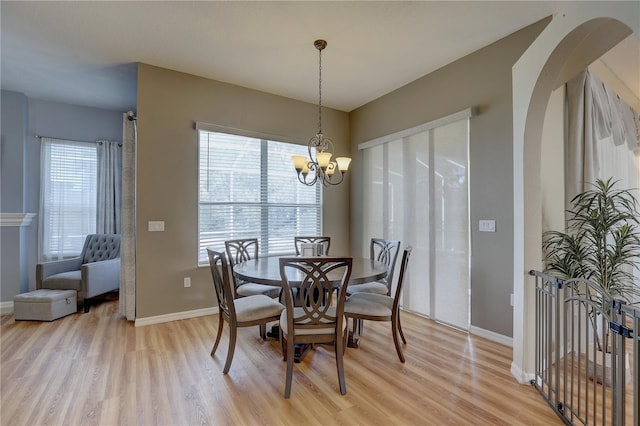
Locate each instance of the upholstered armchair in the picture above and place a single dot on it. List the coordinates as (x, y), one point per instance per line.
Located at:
(96, 271)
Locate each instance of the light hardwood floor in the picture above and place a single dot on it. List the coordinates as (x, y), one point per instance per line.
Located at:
(97, 368)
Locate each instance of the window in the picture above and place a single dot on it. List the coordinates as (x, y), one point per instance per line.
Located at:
(249, 189)
(68, 197)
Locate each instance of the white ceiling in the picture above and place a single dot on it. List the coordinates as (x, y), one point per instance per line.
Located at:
(85, 52)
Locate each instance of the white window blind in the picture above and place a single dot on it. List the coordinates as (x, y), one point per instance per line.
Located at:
(249, 189)
(68, 197)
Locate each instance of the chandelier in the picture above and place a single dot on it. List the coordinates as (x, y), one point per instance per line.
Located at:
(319, 167)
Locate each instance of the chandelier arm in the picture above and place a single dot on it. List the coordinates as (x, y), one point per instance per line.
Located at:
(312, 144)
(328, 144)
(321, 173)
(330, 182)
(315, 170)
(303, 179)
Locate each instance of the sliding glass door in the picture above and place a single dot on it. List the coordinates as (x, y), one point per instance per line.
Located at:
(416, 191)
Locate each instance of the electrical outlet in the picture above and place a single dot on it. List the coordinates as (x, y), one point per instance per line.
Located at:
(156, 225)
(487, 225)
(187, 281)
(511, 299)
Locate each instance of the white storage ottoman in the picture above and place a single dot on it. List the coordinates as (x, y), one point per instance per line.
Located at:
(44, 305)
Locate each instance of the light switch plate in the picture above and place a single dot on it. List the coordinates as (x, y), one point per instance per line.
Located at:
(156, 225)
(487, 225)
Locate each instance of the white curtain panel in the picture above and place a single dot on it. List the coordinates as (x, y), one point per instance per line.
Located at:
(603, 138)
(579, 158)
(127, 297)
(109, 201)
(415, 189)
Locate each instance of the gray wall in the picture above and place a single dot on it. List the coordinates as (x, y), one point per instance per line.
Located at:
(13, 131)
(38, 118)
(167, 176)
(481, 80)
(13, 125)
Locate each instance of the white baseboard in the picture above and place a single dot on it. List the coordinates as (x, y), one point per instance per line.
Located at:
(521, 376)
(6, 308)
(490, 335)
(139, 322)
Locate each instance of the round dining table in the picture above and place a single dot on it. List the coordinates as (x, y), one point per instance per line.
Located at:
(266, 270)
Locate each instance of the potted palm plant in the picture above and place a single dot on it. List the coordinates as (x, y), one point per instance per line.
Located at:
(601, 244)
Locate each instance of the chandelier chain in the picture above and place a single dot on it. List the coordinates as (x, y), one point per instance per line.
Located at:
(320, 91)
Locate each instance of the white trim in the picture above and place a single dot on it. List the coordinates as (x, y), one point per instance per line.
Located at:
(199, 125)
(490, 335)
(175, 316)
(6, 308)
(521, 376)
(456, 116)
(533, 76)
(16, 219)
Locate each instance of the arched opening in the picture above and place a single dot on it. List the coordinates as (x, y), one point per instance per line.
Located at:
(572, 41)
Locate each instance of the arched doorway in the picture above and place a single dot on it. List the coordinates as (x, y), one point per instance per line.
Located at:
(575, 37)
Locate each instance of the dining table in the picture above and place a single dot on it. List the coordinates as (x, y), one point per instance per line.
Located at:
(266, 270)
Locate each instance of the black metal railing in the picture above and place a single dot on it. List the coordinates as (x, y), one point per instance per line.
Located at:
(586, 352)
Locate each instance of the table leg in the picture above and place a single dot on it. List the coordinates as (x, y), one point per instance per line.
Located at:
(299, 350)
(353, 340)
(274, 332)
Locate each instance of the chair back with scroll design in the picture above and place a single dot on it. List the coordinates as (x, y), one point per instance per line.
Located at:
(245, 312)
(385, 251)
(379, 307)
(311, 316)
(221, 284)
(241, 250)
(325, 241)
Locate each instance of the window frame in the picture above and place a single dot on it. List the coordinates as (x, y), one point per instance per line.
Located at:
(88, 224)
(263, 233)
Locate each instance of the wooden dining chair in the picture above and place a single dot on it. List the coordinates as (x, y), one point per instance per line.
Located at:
(325, 241)
(379, 307)
(385, 251)
(242, 250)
(243, 312)
(315, 316)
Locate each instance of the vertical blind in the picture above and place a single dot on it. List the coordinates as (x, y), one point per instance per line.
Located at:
(248, 188)
(415, 189)
(68, 197)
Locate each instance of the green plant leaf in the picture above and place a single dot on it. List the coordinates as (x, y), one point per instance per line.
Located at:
(601, 242)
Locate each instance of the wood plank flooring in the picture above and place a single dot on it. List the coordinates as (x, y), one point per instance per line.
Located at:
(99, 369)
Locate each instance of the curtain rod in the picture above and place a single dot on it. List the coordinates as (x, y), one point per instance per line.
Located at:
(62, 139)
(99, 142)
